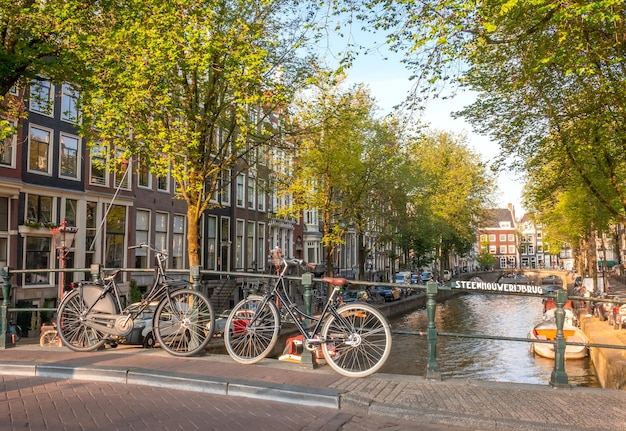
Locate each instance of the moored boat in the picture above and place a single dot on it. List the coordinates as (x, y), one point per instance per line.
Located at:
(546, 331)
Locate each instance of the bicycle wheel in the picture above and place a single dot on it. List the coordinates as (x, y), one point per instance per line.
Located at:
(72, 324)
(358, 342)
(49, 338)
(183, 322)
(251, 330)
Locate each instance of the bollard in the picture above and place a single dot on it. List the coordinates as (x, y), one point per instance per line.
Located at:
(94, 269)
(558, 377)
(194, 271)
(432, 368)
(307, 358)
(5, 333)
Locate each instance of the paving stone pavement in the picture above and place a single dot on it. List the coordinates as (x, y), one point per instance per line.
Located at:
(133, 388)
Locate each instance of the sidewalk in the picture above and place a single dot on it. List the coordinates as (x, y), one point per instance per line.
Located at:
(452, 402)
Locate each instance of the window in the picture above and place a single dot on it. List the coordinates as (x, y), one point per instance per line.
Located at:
(502, 237)
(483, 237)
(91, 225)
(224, 257)
(178, 242)
(41, 97)
(240, 190)
(492, 237)
(122, 173)
(250, 246)
(211, 243)
(239, 244)
(143, 174)
(260, 252)
(4, 228)
(69, 99)
(251, 193)
(38, 257)
(39, 209)
(39, 149)
(226, 187)
(115, 237)
(160, 231)
(163, 182)
(503, 249)
(68, 155)
(142, 235)
(511, 237)
(511, 249)
(261, 194)
(4, 215)
(70, 211)
(7, 147)
(98, 175)
(492, 249)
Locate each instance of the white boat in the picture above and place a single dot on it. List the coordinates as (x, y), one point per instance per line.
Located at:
(546, 331)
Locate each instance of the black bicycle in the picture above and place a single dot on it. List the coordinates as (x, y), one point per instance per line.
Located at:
(91, 313)
(355, 338)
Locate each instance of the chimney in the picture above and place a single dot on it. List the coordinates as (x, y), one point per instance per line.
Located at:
(512, 209)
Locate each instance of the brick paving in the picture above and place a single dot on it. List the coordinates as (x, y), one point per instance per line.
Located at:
(273, 395)
(54, 388)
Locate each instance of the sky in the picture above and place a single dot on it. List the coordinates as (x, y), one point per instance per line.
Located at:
(389, 84)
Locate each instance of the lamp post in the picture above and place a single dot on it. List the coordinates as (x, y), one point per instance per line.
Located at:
(63, 237)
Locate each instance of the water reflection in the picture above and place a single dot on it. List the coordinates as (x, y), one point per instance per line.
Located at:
(481, 359)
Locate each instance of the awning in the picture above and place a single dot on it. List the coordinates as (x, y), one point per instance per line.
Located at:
(608, 263)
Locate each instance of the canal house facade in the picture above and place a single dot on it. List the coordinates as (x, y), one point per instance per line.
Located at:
(49, 174)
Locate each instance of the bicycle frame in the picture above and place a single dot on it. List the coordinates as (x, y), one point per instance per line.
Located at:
(160, 288)
(278, 291)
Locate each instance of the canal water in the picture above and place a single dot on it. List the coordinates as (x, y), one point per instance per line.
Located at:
(481, 359)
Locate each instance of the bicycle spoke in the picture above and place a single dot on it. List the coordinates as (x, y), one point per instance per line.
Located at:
(184, 323)
(251, 330)
(358, 341)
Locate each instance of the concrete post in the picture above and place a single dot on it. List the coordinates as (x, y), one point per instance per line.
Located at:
(559, 376)
(5, 333)
(307, 358)
(432, 368)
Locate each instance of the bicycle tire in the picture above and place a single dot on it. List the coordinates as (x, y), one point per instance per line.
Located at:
(49, 338)
(183, 323)
(246, 342)
(72, 326)
(359, 342)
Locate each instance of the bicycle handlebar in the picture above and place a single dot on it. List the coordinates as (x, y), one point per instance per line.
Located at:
(149, 247)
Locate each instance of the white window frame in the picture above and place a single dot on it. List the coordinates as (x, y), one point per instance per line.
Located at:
(48, 170)
(69, 100)
(78, 163)
(94, 154)
(38, 101)
(11, 143)
(240, 191)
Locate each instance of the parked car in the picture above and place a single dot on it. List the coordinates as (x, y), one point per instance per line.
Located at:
(388, 293)
(403, 277)
(220, 323)
(142, 333)
(427, 276)
(352, 295)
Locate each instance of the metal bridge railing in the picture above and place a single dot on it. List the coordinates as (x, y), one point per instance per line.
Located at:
(558, 378)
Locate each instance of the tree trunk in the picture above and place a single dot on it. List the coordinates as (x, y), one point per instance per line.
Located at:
(193, 240)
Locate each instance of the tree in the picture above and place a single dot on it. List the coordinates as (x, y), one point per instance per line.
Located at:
(192, 88)
(39, 38)
(455, 187)
(334, 126)
(546, 74)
